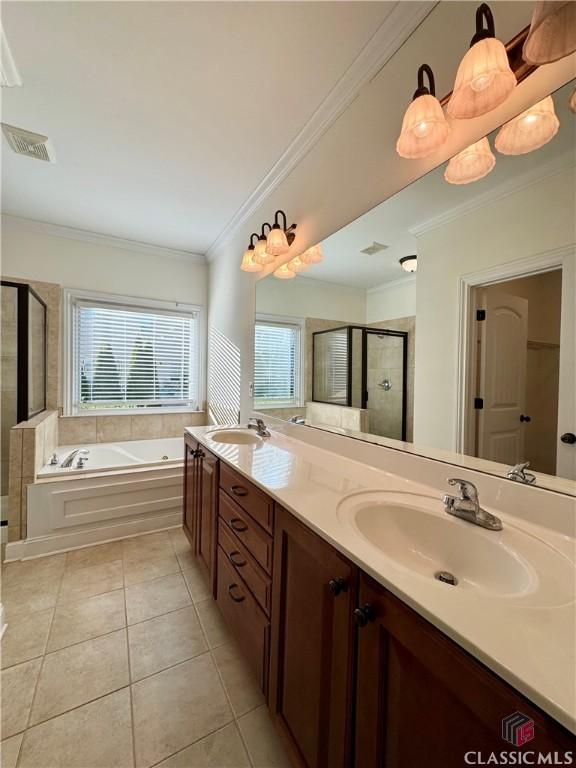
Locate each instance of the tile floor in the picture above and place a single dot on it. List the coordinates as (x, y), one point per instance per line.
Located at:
(116, 656)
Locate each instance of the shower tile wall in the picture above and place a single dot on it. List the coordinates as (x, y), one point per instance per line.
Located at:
(385, 362)
(8, 375)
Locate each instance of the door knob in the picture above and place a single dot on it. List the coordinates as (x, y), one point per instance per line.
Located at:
(363, 615)
(525, 418)
(337, 586)
(569, 438)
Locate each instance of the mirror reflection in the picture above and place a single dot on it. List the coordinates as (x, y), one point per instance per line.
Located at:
(443, 319)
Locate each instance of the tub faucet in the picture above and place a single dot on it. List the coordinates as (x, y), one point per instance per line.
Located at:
(259, 426)
(467, 506)
(72, 455)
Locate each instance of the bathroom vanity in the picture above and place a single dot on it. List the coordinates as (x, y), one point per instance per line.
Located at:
(353, 675)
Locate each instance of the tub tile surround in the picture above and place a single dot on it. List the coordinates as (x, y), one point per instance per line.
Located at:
(125, 676)
(80, 430)
(319, 469)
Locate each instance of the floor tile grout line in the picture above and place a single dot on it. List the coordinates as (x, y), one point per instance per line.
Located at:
(171, 666)
(196, 741)
(132, 729)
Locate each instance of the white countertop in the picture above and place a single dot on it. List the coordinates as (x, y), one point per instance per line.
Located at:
(531, 647)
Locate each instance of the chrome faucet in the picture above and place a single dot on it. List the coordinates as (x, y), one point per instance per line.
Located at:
(467, 506)
(72, 455)
(259, 426)
(518, 473)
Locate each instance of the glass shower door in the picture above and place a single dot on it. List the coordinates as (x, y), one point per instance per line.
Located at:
(385, 377)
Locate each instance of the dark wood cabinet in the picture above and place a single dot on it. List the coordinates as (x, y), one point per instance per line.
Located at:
(422, 700)
(200, 518)
(312, 651)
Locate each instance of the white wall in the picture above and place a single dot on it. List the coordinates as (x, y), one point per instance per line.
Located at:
(387, 302)
(354, 165)
(311, 298)
(33, 254)
(534, 220)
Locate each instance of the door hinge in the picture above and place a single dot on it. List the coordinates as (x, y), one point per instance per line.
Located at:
(478, 403)
(480, 314)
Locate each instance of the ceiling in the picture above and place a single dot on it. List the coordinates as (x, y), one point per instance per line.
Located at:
(427, 199)
(165, 116)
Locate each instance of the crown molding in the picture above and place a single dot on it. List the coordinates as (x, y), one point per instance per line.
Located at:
(71, 233)
(400, 23)
(393, 284)
(553, 167)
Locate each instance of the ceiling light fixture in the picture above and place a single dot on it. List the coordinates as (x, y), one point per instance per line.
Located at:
(261, 256)
(314, 255)
(409, 263)
(284, 273)
(530, 130)
(279, 240)
(552, 33)
(473, 163)
(484, 79)
(248, 263)
(424, 127)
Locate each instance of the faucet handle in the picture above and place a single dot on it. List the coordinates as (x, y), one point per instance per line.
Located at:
(467, 489)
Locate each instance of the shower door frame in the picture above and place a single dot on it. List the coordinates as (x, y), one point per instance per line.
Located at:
(22, 320)
(386, 332)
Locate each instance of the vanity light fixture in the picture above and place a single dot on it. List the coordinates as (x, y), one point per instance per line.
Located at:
(261, 256)
(484, 79)
(572, 102)
(409, 263)
(424, 127)
(297, 265)
(248, 263)
(314, 255)
(280, 238)
(472, 164)
(284, 272)
(530, 130)
(552, 34)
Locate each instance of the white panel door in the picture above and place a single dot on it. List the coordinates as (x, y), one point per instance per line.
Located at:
(502, 380)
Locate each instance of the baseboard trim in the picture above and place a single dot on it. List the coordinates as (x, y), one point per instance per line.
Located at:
(27, 549)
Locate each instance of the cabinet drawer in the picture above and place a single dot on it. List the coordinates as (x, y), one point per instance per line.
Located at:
(256, 541)
(245, 566)
(250, 498)
(245, 618)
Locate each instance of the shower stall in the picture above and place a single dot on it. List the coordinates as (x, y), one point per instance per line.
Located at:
(363, 367)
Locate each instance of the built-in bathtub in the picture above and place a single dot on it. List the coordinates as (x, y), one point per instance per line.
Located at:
(124, 488)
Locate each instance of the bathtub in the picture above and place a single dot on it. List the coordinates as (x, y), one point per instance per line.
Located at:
(124, 489)
(104, 457)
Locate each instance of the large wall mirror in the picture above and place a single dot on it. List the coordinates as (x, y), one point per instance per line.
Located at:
(470, 358)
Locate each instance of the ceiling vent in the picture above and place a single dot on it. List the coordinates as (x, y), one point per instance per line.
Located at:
(28, 143)
(374, 248)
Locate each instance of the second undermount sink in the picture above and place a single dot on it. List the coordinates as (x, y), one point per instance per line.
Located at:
(415, 533)
(235, 436)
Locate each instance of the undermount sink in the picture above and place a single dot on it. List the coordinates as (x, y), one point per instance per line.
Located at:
(414, 531)
(235, 436)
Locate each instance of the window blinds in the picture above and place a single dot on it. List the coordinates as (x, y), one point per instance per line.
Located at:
(277, 362)
(132, 357)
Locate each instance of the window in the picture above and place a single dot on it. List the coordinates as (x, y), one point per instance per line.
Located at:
(277, 364)
(130, 356)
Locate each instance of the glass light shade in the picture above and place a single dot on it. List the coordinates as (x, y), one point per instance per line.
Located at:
(277, 244)
(260, 254)
(573, 102)
(424, 128)
(530, 130)
(248, 263)
(284, 273)
(297, 265)
(484, 80)
(313, 255)
(473, 163)
(409, 263)
(552, 32)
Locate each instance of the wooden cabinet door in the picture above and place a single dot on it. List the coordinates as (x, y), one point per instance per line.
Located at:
(206, 538)
(190, 501)
(312, 647)
(423, 701)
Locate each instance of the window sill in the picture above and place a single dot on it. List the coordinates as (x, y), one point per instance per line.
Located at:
(128, 412)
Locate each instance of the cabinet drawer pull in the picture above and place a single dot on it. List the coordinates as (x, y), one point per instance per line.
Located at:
(238, 525)
(363, 615)
(238, 562)
(237, 599)
(238, 490)
(337, 586)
